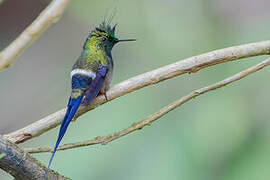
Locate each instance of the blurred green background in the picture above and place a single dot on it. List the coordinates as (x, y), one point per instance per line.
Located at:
(220, 135)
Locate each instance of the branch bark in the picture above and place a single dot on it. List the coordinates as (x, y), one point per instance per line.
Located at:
(48, 16)
(153, 117)
(14, 160)
(21, 165)
(189, 65)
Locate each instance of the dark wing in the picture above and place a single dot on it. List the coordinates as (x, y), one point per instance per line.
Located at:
(96, 84)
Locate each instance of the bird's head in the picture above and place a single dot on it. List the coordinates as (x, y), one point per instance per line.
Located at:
(103, 37)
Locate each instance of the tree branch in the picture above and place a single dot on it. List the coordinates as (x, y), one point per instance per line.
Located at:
(48, 16)
(22, 165)
(189, 65)
(153, 117)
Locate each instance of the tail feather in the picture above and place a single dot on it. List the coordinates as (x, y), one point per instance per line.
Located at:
(73, 106)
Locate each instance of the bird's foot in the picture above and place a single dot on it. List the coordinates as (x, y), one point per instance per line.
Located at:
(103, 92)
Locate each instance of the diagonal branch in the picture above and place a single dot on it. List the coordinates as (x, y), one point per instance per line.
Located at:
(153, 117)
(189, 65)
(22, 165)
(48, 16)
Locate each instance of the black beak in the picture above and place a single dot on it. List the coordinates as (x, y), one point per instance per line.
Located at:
(122, 40)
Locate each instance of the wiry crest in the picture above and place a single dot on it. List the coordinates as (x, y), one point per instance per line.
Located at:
(106, 28)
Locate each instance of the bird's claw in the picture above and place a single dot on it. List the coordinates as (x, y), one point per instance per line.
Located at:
(103, 92)
(105, 95)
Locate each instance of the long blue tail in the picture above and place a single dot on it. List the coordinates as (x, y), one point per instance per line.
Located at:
(72, 108)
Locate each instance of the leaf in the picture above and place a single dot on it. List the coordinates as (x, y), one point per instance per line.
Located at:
(2, 155)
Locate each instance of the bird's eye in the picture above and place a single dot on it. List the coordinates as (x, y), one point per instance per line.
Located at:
(103, 39)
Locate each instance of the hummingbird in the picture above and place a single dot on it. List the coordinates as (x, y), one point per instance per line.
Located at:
(91, 74)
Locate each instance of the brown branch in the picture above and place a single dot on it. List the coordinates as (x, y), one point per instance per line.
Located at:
(14, 160)
(188, 65)
(22, 165)
(48, 16)
(153, 117)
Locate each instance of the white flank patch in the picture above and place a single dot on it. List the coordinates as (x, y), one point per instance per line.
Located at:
(88, 73)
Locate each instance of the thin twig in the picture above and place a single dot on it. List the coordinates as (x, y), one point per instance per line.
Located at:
(48, 16)
(22, 165)
(188, 65)
(153, 117)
